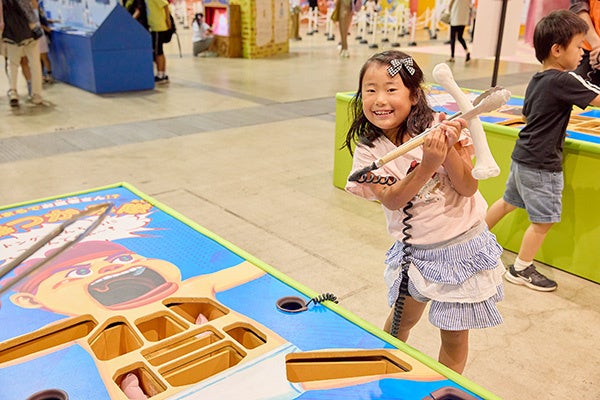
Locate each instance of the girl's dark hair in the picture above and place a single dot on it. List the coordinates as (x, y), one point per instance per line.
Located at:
(558, 27)
(419, 118)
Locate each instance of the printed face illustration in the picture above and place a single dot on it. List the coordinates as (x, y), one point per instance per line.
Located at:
(93, 275)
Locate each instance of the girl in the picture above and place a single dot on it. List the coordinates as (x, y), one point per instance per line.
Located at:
(443, 252)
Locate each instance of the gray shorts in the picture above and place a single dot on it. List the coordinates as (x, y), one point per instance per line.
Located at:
(538, 191)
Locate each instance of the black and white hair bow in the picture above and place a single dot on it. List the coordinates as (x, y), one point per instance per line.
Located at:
(396, 65)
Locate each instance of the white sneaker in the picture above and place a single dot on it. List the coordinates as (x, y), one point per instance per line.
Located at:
(344, 53)
(13, 98)
(37, 99)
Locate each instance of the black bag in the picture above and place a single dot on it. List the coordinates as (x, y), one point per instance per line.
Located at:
(169, 33)
(16, 26)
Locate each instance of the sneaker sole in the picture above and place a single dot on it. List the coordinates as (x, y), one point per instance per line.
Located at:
(519, 281)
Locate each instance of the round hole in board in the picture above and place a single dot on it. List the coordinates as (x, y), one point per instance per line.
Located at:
(49, 394)
(291, 304)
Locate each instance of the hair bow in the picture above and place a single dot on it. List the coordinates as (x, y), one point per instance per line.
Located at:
(396, 65)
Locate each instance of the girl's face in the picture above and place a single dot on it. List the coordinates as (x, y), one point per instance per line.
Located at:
(386, 101)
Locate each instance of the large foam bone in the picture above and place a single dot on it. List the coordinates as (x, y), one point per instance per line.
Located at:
(486, 102)
(485, 165)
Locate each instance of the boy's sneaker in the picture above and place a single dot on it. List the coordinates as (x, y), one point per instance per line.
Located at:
(13, 98)
(161, 80)
(531, 278)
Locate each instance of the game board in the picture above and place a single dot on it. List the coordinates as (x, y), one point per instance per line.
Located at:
(149, 304)
(583, 125)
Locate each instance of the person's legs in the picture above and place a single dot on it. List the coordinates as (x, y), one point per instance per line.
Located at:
(345, 20)
(13, 53)
(541, 192)
(159, 57)
(161, 64)
(460, 30)
(25, 68)
(48, 67)
(452, 42)
(411, 314)
(511, 199)
(32, 51)
(523, 272)
(532, 240)
(454, 349)
(26, 71)
(497, 211)
(202, 45)
(459, 33)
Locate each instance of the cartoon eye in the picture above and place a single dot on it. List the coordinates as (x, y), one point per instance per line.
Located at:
(122, 259)
(80, 272)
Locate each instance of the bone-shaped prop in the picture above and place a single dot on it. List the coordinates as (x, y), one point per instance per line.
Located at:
(485, 165)
(488, 103)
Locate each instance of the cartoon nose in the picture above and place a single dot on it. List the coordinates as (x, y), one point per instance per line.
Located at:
(109, 268)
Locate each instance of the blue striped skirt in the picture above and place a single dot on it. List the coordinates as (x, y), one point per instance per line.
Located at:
(462, 278)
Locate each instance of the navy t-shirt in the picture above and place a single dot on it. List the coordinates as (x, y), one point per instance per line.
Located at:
(549, 99)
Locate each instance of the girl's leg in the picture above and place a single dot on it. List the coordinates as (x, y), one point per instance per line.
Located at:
(410, 316)
(454, 349)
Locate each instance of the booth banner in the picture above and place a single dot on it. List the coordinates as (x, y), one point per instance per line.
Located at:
(264, 18)
(281, 24)
(485, 40)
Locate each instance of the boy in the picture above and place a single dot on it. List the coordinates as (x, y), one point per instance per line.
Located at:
(535, 182)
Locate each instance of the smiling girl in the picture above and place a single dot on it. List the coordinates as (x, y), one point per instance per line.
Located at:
(443, 250)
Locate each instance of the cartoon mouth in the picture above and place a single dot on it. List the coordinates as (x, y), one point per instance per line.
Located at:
(132, 288)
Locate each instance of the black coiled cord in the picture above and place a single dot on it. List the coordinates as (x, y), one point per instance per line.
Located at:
(407, 253)
(381, 180)
(403, 289)
(323, 297)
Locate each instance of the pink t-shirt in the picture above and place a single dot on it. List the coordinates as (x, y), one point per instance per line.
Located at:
(439, 212)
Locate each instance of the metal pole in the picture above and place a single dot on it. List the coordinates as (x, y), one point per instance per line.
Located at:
(499, 43)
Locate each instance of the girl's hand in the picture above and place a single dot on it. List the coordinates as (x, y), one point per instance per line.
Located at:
(439, 142)
(452, 128)
(435, 148)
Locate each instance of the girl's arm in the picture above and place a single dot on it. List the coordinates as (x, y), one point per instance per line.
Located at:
(458, 164)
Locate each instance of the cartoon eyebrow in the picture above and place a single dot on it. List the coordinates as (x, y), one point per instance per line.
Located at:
(113, 257)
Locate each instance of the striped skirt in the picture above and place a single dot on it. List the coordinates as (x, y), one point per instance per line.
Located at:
(462, 278)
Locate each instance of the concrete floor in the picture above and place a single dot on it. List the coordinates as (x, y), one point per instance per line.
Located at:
(245, 149)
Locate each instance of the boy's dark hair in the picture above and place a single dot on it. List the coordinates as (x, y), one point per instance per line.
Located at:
(419, 118)
(558, 27)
